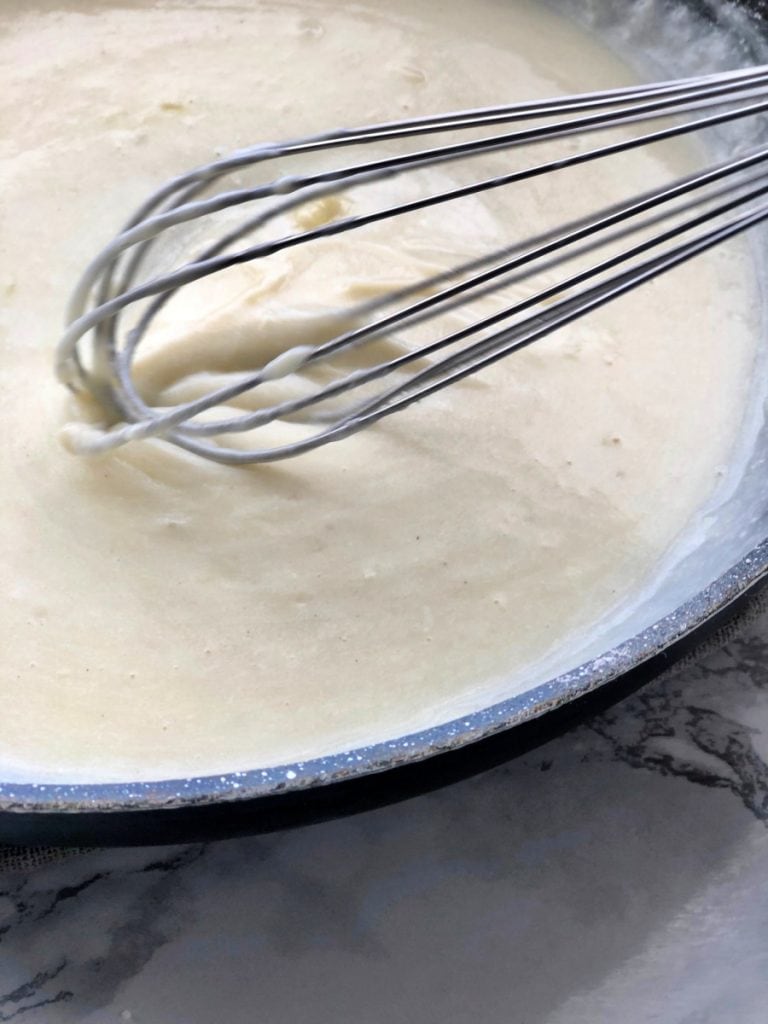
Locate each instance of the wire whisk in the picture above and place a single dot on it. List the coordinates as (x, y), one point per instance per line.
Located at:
(658, 231)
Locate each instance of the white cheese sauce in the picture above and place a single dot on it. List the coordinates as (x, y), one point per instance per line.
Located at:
(163, 616)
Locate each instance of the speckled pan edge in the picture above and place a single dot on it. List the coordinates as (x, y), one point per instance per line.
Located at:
(175, 793)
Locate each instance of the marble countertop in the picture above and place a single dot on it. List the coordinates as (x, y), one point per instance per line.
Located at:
(618, 874)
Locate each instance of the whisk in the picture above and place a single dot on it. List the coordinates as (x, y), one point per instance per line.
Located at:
(672, 225)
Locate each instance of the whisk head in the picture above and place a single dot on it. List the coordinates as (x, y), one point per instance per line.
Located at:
(570, 269)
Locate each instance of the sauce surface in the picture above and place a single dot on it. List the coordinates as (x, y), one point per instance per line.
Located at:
(163, 616)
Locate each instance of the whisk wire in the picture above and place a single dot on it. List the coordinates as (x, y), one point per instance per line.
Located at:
(149, 227)
(111, 283)
(412, 314)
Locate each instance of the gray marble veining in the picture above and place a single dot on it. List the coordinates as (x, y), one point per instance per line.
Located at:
(620, 873)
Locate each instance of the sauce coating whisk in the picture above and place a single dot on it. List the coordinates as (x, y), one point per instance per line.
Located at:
(671, 225)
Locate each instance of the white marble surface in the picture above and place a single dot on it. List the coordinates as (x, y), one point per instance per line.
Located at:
(619, 874)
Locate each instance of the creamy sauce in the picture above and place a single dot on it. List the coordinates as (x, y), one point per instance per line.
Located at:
(165, 616)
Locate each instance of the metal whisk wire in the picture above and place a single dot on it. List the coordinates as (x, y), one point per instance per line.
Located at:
(96, 353)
